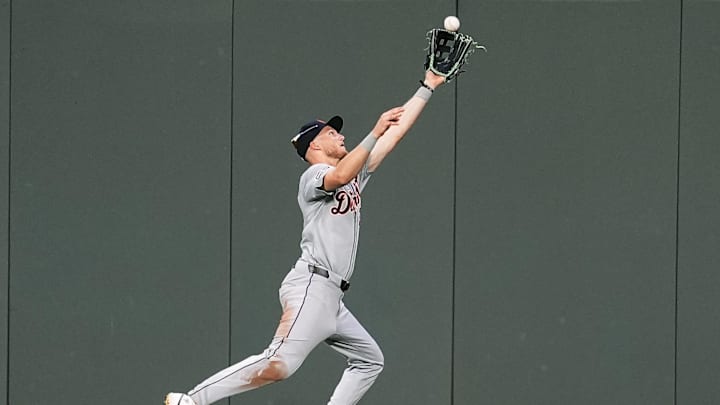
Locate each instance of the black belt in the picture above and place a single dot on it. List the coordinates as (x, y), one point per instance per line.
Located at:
(344, 285)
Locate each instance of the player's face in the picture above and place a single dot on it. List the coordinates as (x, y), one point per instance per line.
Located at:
(332, 142)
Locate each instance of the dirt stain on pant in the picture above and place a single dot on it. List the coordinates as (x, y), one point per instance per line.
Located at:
(274, 371)
(286, 321)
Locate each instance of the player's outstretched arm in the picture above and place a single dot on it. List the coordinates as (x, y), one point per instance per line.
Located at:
(349, 166)
(395, 134)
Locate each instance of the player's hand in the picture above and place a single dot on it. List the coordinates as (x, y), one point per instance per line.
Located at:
(433, 80)
(387, 119)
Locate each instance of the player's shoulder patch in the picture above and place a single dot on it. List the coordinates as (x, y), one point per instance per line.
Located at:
(311, 182)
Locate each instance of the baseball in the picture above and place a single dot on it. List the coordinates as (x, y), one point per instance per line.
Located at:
(452, 23)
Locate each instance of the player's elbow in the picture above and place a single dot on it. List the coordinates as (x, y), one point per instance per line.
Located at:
(345, 178)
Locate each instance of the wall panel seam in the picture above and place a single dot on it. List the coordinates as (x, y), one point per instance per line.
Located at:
(9, 201)
(677, 206)
(230, 191)
(454, 235)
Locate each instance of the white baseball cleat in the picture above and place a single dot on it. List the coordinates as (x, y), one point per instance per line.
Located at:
(175, 398)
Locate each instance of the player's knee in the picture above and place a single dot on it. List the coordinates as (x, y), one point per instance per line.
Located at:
(371, 368)
(275, 370)
(376, 363)
(379, 366)
(379, 357)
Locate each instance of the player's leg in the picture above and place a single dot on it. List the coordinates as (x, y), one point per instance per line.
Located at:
(252, 372)
(364, 357)
(308, 319)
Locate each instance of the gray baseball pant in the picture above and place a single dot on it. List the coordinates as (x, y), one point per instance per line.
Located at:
(313, 312)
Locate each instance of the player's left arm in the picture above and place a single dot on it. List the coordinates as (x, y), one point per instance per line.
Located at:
(395, 134)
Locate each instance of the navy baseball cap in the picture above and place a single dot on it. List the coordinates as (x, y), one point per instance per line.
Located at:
(309, 131)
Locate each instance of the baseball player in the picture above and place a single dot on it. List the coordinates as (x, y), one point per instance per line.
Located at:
(311, 295)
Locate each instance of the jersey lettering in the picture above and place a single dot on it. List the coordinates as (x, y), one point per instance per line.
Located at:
(347, 198)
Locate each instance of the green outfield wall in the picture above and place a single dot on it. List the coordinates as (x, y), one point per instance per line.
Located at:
(545, 235)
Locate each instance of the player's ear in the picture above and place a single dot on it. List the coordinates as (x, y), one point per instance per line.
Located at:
(314, 145)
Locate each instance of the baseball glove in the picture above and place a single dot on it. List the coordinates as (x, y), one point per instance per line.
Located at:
(448, 51)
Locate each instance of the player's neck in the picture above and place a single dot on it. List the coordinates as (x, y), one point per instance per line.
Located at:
(325, 159)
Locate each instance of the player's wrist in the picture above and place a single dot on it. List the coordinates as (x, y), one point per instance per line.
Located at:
(424, 83)
(369, 142)
(424, 92)
(433, 80)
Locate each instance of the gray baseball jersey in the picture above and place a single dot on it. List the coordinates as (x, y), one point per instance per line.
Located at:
(331, 220)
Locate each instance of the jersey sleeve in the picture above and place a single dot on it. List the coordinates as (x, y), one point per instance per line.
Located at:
(311, 183)
(364, 175)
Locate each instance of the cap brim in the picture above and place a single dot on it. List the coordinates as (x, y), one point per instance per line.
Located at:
(336, 123)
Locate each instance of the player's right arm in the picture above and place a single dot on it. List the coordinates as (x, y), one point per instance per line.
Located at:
(413, 107)
(346, 170)
(349, 166)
